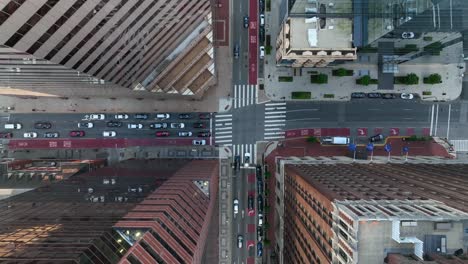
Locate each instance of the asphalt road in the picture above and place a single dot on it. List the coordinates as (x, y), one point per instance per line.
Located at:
(240, 37)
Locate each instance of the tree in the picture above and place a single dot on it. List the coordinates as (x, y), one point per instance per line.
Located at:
(312, 139)
(364, 80)
(412, 79)
(433, 79)
(341, 72)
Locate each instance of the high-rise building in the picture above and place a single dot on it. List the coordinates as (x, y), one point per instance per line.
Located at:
(154, 45)
(333, 211)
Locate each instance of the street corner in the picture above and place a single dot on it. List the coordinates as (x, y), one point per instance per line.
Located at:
(394, 131)
(225, 105)
(361, 132)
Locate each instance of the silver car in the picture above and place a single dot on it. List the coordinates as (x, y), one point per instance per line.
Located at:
(185, 134)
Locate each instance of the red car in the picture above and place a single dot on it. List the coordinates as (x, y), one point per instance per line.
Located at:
(204, 116)
(162, 134)
(204, 134)
(6, 135)
(77, 133)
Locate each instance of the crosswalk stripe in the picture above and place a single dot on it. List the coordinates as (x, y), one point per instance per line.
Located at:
(272, 125)
(275, 108)
(272, 104)
(272, 129)
(275, 121)
(224, 115)
(273, 137)
(277, 116)
(223, 132)
(275, 133)
(223, 128)
(228, 136)
(222, 141)
(223, 120)
(276, 112)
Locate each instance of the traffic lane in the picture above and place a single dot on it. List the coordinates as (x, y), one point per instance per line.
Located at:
(251, 219)
(400, 111)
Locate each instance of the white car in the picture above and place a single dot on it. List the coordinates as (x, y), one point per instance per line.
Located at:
(407, 96)
(407, 35)
(260, 219)
(177, 125)
(246, 159)
(236, 206)
(185, 134)
(199, 142)
(85, 125)
(262, 52)
(240, 241)
(262, 20)
(133, 126)
(109, 134)
(121, 116)
(96, 117)
(30, 135)
(163, 116)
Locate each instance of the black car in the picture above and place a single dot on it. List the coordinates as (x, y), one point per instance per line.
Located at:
(388, 96)
(261, 6)
(374, 95)
(250, 202)
(185, 116)
(42, 125)
(261, 34)
(141, 116)
(51, 135)
(198, 125)
(204, 134)
(246, 22)
(378, 137)
(258, 171)
(204, 116)
(259, 186)
(114, 124)
(237, 162)
(358, 95)
(259, 233)
(260, 203)
(236, 51)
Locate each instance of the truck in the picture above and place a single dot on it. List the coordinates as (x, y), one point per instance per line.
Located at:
(336, 140)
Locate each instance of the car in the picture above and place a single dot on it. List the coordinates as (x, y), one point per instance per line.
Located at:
(204, 116)
(236, 51)
(199, 142)
(407, 96)
(77, 133)
(163, 116)
(85, 125)
(240, 241)
(109, 133)
(177, 125)
(204, 134)
(13, 126)
(162, 134)
(121, 116)
(259, 233)
(141, 116)
(185, 116)
(30, 135)
(259, 249)
(42, 125)
(51, 135)
(375, 138)
(259, 186)
(246, 21)
(260, 203)
(250, 202)
(96, 117)
(158, 125)
(6, 135)
(258, 172)
(246, 159)
(407, 35)
(261, 6)
(185, 134)
(374, 95)
(198, 125)
(260, 219)
(135, 126)
(388, 96)
(236, 206)
(262, 20)
(261, 34)
(358, 95)
(237, 162)
(114, 124)
(262, 52)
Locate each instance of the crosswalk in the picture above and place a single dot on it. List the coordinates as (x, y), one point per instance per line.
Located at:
(241, 149)
(223, 129)
(460, 145)
(275, 120)
(244, 95)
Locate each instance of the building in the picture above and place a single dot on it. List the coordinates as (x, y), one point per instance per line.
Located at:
(338, 211)
(146, 45)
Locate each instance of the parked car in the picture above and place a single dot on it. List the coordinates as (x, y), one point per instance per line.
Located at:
(259, 249)
(96, 117)
(141, 116)
(246, 21)
(158, 125)
(374, 95)
(135, 126)
(261, 52)
(204, 134)
(42, 125)
(51, 135)
(358, 95)
(163, 116)
(407, 96)
(236, 206)
(260, 219)
(407, 35)
(185, 134)
(13, 126)
(114, 124)
(77, 133)
(262, 20)
(204, 116)
(85, 125)
(260, 203)
(261, 6)
(261, 34)
(109, 134)
(198, 125)
(388, 96)
(259, 186)
(30, 135)
(236, 51)
(162, 134)
(185, 116)
(199, 142)
(121, 116)
(240, 241)
(6, 135)
(258, 172)
(177, 125)
(250, 202)
(375, 138)
(259, 233)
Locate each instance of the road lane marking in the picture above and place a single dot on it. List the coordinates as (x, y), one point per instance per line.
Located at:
(271, 125)
(235, 96)
(448, 121)
(275, 108)
(302, 110)
(276, 112)
(222, 141)
(436, 120)
(275, 121)
(223, 132)
(223, 120)
(432, 121)
(274, 133)
(270, 129)
(277, 116)
(230, 136)
(301, 119)
(223, 128)
(273, 104)
(224, 115)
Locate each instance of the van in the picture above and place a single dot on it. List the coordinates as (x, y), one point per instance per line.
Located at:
(13, 126)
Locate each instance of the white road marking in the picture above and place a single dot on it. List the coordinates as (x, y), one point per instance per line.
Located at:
(276, 112)
(273, 137)
(432, 121)
(272, 129)
(230, 136)
(224, 115)
(271, 125)
(223, 132)
(277, 116)
(272, 104)
(275, 121)
(450, 109)
(223, 120)
(275, 133)
(222, 141)
(223, 128)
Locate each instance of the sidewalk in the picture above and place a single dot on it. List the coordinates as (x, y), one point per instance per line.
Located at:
(122, 100)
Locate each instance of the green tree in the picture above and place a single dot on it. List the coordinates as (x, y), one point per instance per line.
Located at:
(364, 80)
(312, 139)
(341, 72)
(434, 78)
(412, 79)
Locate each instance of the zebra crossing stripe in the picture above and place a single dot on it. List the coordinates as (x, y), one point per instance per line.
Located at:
(276, 112)
(273, 104)
(273, 137)
(275, 121)
(277, 116)
(272, 125)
